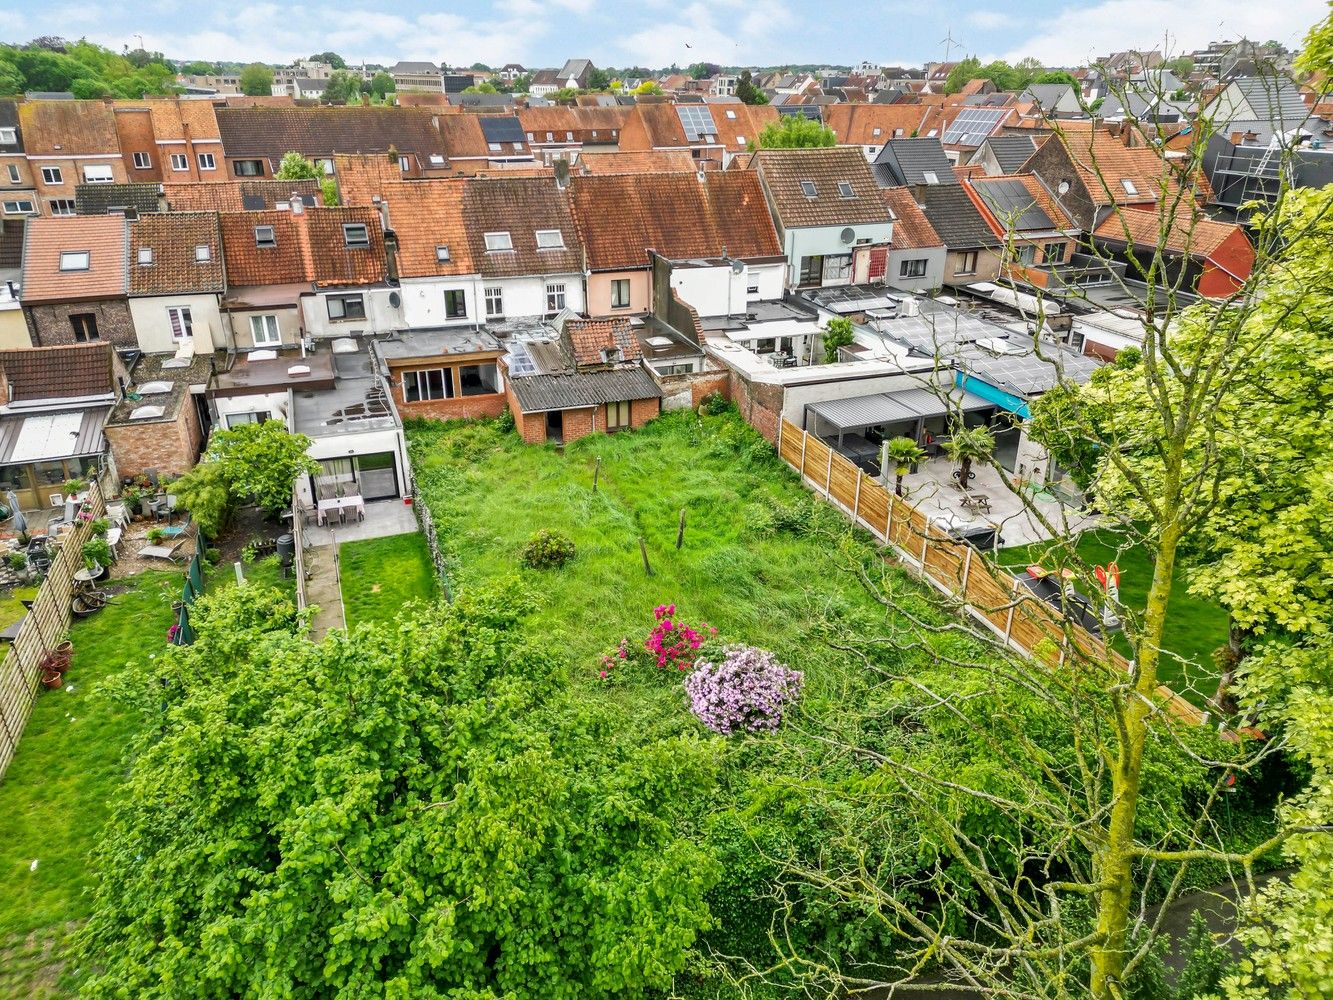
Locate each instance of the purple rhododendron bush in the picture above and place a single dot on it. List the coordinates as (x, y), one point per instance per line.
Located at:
(746, 690)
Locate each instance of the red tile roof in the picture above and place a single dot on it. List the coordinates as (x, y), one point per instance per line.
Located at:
(174, 267)
(784, 172)
(54, 372)
(875, 124)
(310, 248)
(426, 215)
(588, 338)
(622, 216)
(520, 206)
(69, 128)
(102, 236)
(1201, 237)
(651, 161)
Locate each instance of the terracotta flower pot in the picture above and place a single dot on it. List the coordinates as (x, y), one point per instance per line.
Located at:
(52, 679)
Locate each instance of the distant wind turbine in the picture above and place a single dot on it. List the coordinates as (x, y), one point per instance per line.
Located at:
(949, 43)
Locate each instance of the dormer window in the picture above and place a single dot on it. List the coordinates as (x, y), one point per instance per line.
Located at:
(203, 253)
(1128, 185)
(809, 190)
(436, 160)
(498, 241)
(610, 355)
(265, 236)
(75, 260)
(550, 239)
(145, 256)
(355, 234)
(845, 189)
(442, 254)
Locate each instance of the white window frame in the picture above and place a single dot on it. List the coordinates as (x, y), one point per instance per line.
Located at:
(404, 164)
(15, 206)
(181, 323)
(203, 253)
(268, 240)
(267, 325)
(420, 377)
(914, 267)
(70, 260)
(845, 189)
(555, 296)
(495, 301)
(353, 242)
(442, 254)
(179, 162)
(14, 176)
(1130, 187)
(547, 234)
(494, 147)
(616, 285)
(9, 136)
(63, 206)
(104, 174)
(145, 256)
(809, 189)
(53, 175)
(498, 242)
(143, 161)
(207, 161)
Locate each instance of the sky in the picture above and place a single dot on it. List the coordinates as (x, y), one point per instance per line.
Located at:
(656, 33)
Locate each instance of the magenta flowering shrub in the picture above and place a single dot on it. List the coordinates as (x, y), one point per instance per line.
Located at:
(748, 690)
(671, 645)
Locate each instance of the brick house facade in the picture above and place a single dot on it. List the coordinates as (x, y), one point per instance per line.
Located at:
(54, 324)
(170, 445)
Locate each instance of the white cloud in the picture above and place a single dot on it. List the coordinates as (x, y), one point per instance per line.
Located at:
(989, 19)
(1085, 31)
(721, 31)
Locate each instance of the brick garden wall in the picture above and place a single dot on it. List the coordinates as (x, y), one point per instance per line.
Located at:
(459, 408)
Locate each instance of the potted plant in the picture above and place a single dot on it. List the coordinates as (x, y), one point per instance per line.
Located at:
(18, 561)
(100, 527)
(73, 487)
(52, 678)
(156, 534)
(96, 554)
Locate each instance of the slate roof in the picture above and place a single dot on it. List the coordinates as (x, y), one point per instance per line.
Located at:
(105, 239)
(1011, 151)
(98, 199)
(68, 128)
(537, 393)
(58, 372)
(520, 206)
(270, 132)
(784, 170)
(953, 216)
(905, 161)
(911, 229)
(1047, 95)
(174, 268)
(621, 216)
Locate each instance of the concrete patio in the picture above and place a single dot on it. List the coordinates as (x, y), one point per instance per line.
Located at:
(932, 490)
(383, 518)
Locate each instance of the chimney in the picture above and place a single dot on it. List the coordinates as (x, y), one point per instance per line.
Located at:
(700, 174)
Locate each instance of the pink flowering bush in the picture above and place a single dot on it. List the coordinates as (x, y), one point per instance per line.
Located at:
(747, 690)
(671, 645)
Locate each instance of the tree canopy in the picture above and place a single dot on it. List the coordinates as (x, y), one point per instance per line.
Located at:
(343, 88)
(747, 92)
(295, 167)
(330, 59)
(256, 80)
(795, 132)
(84, 69)
(381, 84)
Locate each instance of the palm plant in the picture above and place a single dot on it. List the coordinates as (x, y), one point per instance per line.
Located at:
(968, 445)
(904, 453)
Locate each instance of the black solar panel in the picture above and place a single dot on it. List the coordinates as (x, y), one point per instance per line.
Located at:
(506, 129)
(697, 121)
(1013, 205)
(252, 202)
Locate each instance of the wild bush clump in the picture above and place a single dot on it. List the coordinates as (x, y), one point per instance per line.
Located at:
(548, 549)
(747, 690)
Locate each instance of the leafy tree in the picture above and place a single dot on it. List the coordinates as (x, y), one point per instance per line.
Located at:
(418, 810)
(87, 88)
(967, 445)
(343, 88)
(256, 80)
(902, 453)
(43, 69)
(252, 463)
(966, 69)
(747, 91)
(480, 67)
(331, 59)
(599, 79)
(1056, 76)
(565, 94)
(53, 43)
(1181, 67)
(648, 87)
(11, 80)
(382, 84)
(140, 58)
(295, 167)
(328, 189)
(521, 84)
(485, 87)
(700, 70)
(837, 333)
(795, 132)
(199, 68)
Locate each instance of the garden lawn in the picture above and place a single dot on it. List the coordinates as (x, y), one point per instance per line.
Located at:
(1194, 626)
(380, 575)
(60, 786)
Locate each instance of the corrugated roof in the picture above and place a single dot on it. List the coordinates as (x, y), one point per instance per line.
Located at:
(46, 437)
(537, 393)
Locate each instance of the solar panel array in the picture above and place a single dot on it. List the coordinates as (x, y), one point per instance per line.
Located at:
(973, 125)
(506, 129)
(1013, 205)
(520, 361)
(696, 120)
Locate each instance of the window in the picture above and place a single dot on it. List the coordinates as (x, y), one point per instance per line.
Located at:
(236, 419)
(518, 147)
(404, 164)
(179, 318)
(550, 137)
(550, 239)
(555, 297)
(265, 236)
(206, 162)
(930, 177)
(875, 132)
(845, 189)
(740, 140)
(897, 133)
(52, 175)
(967, 263)
(620, 293)
(63, 206)
(355, 234)
(837, 267)
(569, 137)
(812, 270)
(203, 253)
(346, 307)
(9, 136)
(97, 174)
(494, 147)
(730, 113)
(84, 325)
(142, 161)
(495, 305)
(179, 161)
(14, 176)
(478, 380)
(1053, 253)
(442, 254)
(912, 268)
(1128, 185)
(145, 256)
(809, 190)
(75, 260)
(20, 207)
(617, 415)
(264, 331)
(248, 168)
(434, 383)
(498, 241)
(455, 303)
(436, 160)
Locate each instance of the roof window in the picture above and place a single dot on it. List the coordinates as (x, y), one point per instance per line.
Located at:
(75, 260)
(874, 131)
(153, 388)
(145, 256)
(845, 189)
(499, 241)
(146, 412)
(442, 254)
(355, 234)
(1128, 185)
(265, 236)
(930, 176)
(203, 253)
(809, 190)
(550, 239)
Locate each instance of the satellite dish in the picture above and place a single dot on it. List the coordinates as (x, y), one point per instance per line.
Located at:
(395, 300)
(737, 266)
(848, 236)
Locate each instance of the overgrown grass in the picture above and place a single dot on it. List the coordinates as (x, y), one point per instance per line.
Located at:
(1194, 626)
(380, 575)
(60, 786)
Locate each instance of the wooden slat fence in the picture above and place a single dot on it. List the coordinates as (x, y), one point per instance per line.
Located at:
(298, 539)
(46, 625)
(990, 595)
